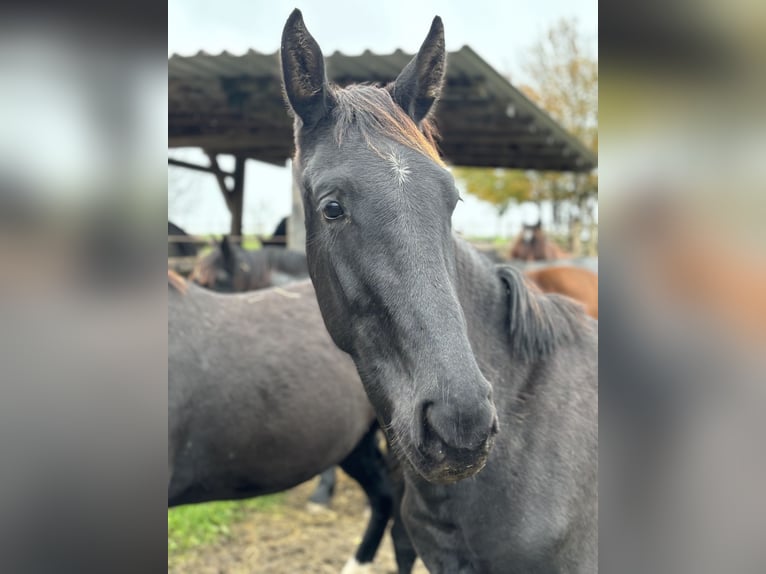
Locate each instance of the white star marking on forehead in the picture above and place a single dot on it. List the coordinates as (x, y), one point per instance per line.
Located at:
(399, 167)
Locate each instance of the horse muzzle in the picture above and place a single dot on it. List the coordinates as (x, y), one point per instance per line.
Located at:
(455, 442)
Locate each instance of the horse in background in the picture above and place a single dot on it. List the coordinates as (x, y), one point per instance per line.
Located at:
(574, 282)
(279, 237)
(180, 248)
(260, 400)
(229, 268)
(533, 245)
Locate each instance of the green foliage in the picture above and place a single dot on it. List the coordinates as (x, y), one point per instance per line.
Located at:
(251, 243)
(199, 524)
(562, 68)
(499, 187)
(564, 74)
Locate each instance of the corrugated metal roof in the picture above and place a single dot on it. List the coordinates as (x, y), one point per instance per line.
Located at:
(233, 104)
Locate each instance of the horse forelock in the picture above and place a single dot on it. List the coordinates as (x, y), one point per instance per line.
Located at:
(538, 322)
(372, 110)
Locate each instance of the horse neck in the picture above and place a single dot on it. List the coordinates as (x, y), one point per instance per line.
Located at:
(277, 259)
(481, 293)
(257, 276)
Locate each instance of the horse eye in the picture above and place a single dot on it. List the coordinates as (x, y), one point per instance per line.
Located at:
(332, 210)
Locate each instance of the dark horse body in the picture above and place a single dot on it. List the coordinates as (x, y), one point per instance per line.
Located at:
(487, 390)
(229, 268)
(264, 358)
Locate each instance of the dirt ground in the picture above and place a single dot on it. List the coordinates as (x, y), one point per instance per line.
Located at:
(293, 540)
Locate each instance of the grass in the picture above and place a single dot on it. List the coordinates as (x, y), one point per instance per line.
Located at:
(251, 243)
(201, 524)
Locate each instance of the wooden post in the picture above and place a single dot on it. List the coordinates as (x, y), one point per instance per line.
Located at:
(234, 196)
(296, 227)
(237, 195)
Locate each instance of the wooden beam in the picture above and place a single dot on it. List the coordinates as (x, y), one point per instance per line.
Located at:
(521, 163)
(274, 139)
(237, 196)
(214, 169)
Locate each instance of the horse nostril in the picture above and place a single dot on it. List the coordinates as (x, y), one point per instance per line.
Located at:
(464, 428)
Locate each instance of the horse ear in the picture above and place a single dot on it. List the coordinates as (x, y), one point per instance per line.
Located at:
(419, 85)
(303, 72)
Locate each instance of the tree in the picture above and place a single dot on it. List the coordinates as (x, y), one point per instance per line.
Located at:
(500, 187)
(564, 82)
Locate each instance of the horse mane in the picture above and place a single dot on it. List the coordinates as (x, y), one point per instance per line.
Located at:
(538, 322)
(372, 110)
(176, 282)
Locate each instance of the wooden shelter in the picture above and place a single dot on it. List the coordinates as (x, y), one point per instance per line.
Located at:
(228, 104)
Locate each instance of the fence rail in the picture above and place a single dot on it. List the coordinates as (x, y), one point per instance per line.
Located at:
(182, 265)
(235, 238)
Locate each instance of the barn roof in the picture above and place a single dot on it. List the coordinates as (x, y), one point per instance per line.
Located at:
(233, 104)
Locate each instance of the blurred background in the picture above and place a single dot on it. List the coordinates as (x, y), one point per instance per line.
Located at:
(514, 165)
(681, 141)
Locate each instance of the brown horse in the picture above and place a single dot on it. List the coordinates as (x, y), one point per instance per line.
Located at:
(534, 245)
(574, 282)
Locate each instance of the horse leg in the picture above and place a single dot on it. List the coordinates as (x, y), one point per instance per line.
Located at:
(403, 549)
(366, 465)
(325, 489)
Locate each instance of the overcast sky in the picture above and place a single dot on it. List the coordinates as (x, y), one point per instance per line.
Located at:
(499, 31)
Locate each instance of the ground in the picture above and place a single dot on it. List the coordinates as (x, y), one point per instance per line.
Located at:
(284, 537)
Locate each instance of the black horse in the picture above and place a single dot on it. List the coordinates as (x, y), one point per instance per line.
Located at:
(279, 237)
(265, 357)
(486, 389)
(180, 248)
(229, 268)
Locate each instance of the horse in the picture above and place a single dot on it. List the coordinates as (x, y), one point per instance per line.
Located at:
(260, 400)
(533, 245)
(229, 268)
(589, 263)
(574, 282)
(486, 390)
(279, 237)
(180, 248)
